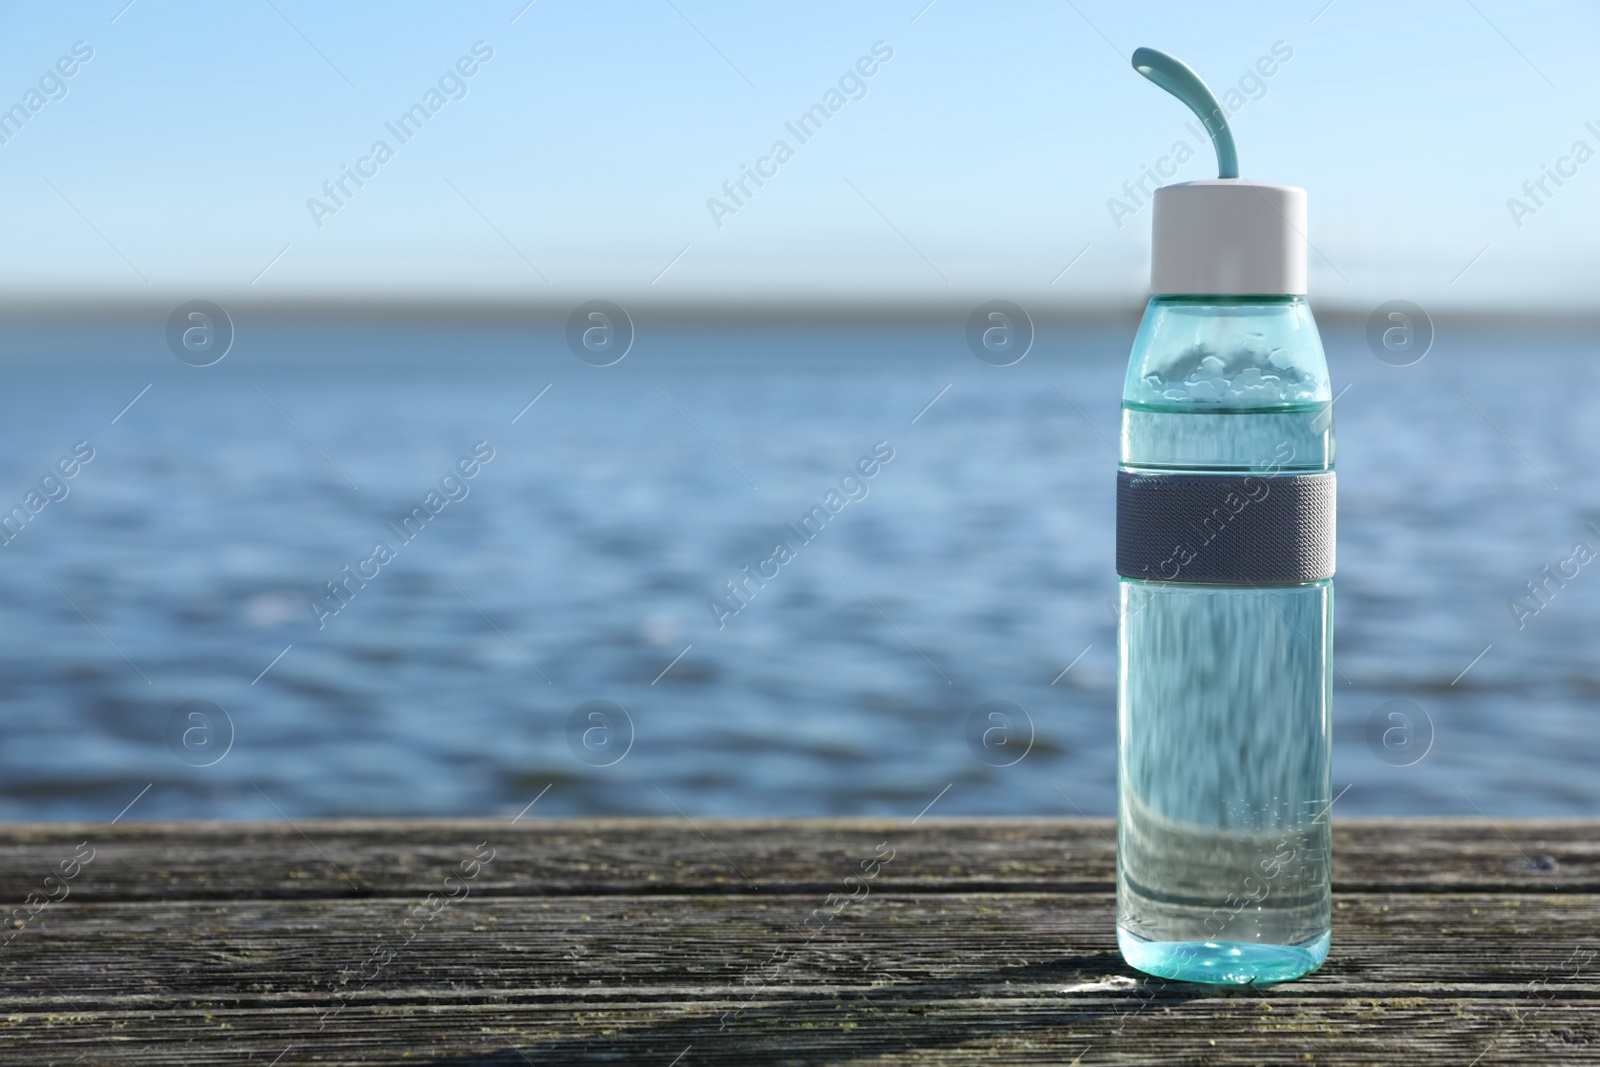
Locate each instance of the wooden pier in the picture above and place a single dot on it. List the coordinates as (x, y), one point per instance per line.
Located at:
(654, 942)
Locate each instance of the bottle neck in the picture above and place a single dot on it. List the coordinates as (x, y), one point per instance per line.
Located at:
(1208, 353)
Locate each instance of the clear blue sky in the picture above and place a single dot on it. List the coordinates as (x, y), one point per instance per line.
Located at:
(979, 160)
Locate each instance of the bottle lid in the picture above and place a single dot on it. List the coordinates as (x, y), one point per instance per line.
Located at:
(1228, 237)
(1225, 236)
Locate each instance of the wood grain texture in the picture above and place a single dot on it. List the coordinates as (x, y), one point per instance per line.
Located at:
(230, 861)
(641, 941)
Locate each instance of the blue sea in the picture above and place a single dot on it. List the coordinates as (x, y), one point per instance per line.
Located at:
(549, 626)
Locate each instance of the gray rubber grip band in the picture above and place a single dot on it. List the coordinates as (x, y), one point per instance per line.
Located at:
(1225, 529)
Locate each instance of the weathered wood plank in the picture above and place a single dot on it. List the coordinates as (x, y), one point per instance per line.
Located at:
(641, 941)
(836, 1030)
(252, 954)
(226, 861)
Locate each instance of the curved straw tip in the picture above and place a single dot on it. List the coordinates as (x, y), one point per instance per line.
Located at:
(1146, 59)
(1149, 60)
(1177, 78)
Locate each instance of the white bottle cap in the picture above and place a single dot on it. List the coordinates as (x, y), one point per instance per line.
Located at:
(1228, 237)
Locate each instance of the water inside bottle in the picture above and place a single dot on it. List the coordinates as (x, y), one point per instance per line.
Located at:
(1223, 829)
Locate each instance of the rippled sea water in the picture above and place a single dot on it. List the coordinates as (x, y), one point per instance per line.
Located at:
(972, 567)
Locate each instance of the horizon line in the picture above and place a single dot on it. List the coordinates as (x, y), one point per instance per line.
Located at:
(705, 310)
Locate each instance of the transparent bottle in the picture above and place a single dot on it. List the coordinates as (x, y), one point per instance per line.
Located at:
(1225, 554)
(1224, 694)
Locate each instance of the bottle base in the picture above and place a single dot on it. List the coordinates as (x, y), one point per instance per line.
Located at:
(1222, 962)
